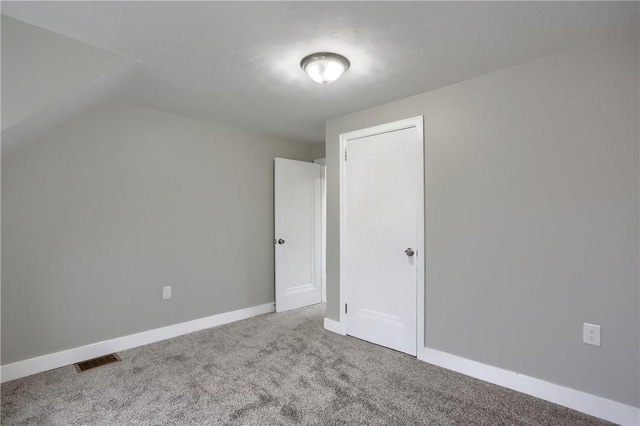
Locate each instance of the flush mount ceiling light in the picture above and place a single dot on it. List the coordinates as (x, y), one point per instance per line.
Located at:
(324, 67)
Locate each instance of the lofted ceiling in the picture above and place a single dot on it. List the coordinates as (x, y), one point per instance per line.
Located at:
(238, 62)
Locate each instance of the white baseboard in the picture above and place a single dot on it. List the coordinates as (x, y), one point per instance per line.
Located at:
(580, 401)
(42, 363)
(335, 326)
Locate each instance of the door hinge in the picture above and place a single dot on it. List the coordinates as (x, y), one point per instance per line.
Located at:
(345, 308)
(345, 154)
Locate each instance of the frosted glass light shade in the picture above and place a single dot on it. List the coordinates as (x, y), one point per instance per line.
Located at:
(324, 67)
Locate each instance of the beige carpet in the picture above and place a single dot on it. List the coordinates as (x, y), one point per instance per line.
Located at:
(276, 369)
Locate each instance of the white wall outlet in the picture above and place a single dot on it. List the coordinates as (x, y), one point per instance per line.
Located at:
(591, 334)
(166, 293)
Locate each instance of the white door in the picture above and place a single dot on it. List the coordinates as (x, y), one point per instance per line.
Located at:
(383, 242)
(297, 202)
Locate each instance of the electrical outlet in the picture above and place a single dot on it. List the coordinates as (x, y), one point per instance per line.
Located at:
(591, 334)
(166, 293)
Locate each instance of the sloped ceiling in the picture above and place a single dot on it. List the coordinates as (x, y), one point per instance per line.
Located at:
(238, 62)
(47, 78)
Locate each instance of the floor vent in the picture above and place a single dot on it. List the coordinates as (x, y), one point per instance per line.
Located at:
(96, 362)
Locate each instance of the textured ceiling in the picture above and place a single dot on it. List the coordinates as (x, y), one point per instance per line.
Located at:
(238, 62)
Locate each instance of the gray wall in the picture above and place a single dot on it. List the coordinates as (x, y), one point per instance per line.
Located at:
(318, 150)
(532, 216)
(39, 68)
(47, 79)
(104, 211)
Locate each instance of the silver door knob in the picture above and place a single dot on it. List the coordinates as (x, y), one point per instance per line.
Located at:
(280, 241)
(409, 252)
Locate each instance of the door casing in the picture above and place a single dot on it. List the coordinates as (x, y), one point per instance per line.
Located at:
(323, 250)
(410, 123)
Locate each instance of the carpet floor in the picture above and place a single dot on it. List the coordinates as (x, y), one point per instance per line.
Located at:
(275, 369)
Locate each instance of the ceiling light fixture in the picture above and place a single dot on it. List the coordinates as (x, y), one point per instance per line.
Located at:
(324, 67)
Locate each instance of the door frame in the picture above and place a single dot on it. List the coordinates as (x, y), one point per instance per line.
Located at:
(409, 123)
(323, 250)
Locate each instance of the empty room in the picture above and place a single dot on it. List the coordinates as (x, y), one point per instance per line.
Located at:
(320, 212)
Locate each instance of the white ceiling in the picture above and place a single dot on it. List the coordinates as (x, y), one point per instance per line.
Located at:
(238, 62)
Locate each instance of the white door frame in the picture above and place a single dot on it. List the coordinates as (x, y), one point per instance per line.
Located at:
(415, 123)
(323, 250)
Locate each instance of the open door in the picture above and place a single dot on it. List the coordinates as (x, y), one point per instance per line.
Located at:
(297, 240)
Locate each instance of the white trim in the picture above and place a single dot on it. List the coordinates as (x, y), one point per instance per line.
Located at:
(580, 401)
(323, 250)
(335, 326)
(42, 363)
(417, 123)
(421, 252)
(342, 200)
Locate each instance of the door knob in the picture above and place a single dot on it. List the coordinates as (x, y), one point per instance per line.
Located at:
(280, 241)
(409, 252)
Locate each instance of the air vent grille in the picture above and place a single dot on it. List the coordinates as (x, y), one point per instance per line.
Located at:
(96, 362)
